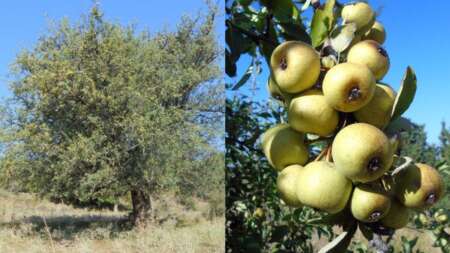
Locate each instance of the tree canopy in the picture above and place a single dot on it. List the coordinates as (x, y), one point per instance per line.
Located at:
(100, 110)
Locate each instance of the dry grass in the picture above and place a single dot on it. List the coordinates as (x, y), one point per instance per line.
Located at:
(31, 225)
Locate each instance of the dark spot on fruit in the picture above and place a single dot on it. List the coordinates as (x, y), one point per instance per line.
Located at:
(383, 52)
(283, 63)
(374, 164)
(375, 216)
(431, 199)
(354, 94)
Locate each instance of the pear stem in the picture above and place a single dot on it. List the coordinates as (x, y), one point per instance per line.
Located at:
(321, 154)
(329, 156)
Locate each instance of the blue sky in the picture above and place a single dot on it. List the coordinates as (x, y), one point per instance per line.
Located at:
(23, 21)
(418, 34)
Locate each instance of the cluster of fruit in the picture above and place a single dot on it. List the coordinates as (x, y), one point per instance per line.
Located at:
(346, 105)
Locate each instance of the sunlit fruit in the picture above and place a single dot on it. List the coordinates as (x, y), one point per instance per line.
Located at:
(419, 185)
(321, 186)
(397, 217)
(378, 111)
(295, 66)
(376, 33)
(359, 13)
(372, 55)
(362, 152)
(348, 87)
(286, 185)
(369, 203)
(310, 113)
(284, 146)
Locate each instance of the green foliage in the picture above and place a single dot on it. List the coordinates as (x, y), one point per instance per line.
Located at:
(100, 110)
(405, 94)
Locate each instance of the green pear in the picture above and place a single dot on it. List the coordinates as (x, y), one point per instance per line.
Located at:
(284, 146)
(376, 33)
(372, 55)
(310, 113)
(295, 66)
(359, 13)
(362, 152)
(286, 185)
(419, 186)
(397, 217)
(348, 87)
(369, 203)
(321, 186)
(378, 111)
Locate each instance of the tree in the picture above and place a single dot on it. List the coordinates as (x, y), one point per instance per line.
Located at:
(100, 110)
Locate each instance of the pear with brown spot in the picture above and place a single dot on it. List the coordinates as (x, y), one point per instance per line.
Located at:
(372, 55)
(295, 66)
(348, 87)
(419, 186)
(369, 203)
(362, 152)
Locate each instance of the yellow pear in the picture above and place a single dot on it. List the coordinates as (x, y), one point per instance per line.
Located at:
(347, 87)
(378, 111)
(397, 217)
(419, 186)
(372, 55)
(362, 152)
(369, 203)
(295, 66)
(310, 113)
(284, 146)
(286, 184)
(321, 186)
(376, 33)
(359, 13)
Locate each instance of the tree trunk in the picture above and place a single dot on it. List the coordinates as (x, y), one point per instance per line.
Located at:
(141, 207)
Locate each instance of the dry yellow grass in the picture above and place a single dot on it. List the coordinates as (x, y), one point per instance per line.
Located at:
(32, 225)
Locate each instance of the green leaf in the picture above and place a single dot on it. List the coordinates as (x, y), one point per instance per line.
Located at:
(292, 31)
(284, 10)
(237, 43)
(267, 48)
(322, 23)
(406, 93)
(398, 125)
(244, 77)
(343, 37)
(230, 64)
(340, 243)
